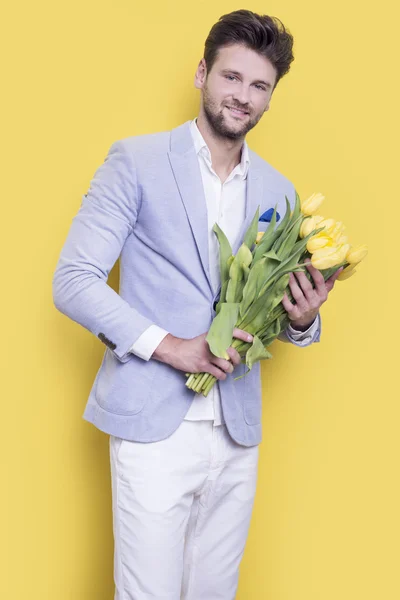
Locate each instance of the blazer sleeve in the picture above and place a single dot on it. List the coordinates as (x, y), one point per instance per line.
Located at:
(106, 217)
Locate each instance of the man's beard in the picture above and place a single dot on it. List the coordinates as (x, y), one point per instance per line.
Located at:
(218, 121)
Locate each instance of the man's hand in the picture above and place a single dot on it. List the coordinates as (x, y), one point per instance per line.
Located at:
(194, 355)
(308, 299)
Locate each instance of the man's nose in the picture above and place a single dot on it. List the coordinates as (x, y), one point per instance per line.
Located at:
(242, 95)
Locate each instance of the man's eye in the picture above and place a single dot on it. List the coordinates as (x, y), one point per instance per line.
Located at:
(260, 87)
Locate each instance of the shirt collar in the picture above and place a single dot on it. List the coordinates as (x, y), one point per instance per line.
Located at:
(202, 148)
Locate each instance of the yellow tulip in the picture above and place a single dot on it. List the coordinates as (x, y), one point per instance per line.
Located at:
(340, 239)
(328, 224)
(259, 236)
(342, 252)
(347, 272)
(337, 230)
(324, 258)
(308, 225)
(329, 256)
(318, 241)
(355, 255)
(312, 204)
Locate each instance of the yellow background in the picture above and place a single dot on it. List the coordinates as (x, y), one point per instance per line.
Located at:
(76, 76)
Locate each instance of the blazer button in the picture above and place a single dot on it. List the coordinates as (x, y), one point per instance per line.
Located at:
(106, 341)
(215, 305)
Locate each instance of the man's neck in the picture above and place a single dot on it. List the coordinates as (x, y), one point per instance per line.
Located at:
(225, 153)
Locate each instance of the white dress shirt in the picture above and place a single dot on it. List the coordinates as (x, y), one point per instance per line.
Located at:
(226, 206)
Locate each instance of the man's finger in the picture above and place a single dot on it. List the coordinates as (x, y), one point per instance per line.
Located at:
(221, 363)
(297, 293)
(329, 282)
(287, 305)
(317, 277)
(291, 309)
(235, 356)
(305, 284)
(214, 370)
(242, 335)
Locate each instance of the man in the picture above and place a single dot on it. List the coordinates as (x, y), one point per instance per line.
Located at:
(183, 466)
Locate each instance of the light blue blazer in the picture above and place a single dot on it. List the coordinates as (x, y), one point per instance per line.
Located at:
(146, 205)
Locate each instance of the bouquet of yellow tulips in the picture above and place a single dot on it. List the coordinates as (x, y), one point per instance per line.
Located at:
(254, 281)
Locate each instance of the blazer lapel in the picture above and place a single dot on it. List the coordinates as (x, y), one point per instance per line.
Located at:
(185, 166)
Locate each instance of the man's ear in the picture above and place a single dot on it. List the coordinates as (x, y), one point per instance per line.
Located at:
(201, 74)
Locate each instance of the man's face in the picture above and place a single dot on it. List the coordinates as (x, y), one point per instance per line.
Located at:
(240, 78)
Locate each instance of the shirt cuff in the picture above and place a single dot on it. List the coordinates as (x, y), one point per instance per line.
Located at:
(148, 342)
(307, 335)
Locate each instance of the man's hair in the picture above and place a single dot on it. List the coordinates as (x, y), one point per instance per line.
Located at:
(266, 35)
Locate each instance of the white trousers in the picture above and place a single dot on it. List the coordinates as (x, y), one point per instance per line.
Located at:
(181, 513)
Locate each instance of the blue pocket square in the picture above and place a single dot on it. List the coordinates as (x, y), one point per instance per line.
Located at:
(267, 216)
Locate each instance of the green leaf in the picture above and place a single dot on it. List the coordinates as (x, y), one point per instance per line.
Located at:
(289, 263)
(251, 233)
(249, 291)
(259, 310)
(269, 237)
(282, 225)
(225, 251)
(222, 298)
(289, 238)
(240, 376)
(256, 352)
(287, 224)
(220, 334)
(235, 277)
(272, 333)
(297, 206)
(272, 254)
(258, 280)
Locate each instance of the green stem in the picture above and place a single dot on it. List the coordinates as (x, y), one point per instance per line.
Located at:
(200, 383)
(210, 383)
(193, 379)
(190, 379)
(196, 380)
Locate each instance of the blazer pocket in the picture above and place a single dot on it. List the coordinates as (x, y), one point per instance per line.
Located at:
(252, 407)
(115, 390)
(267, 216)
(262, 226)
(252, 411)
